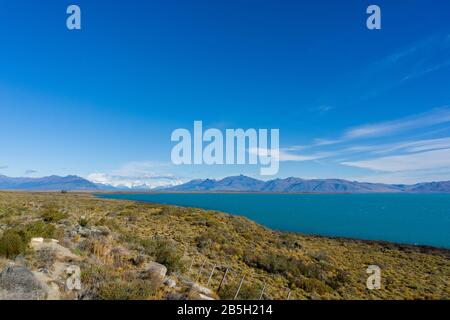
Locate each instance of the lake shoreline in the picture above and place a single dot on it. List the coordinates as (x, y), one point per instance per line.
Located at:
(417, 248)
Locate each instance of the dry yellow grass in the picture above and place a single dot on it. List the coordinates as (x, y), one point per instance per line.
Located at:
(310, 267)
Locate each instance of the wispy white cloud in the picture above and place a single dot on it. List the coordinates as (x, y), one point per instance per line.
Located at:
(409, 50)
(322, 109)
(408, 146)
(286, 154)
(326, 142)
(382, 151)
(426, 119)
(405, 177)
(134, 182)
(295, 148)
(138, 174)
(289, 156)
(436, 159)
(422, 72)
(415, 60)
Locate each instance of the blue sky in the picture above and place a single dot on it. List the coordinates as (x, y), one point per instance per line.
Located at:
(102, 102)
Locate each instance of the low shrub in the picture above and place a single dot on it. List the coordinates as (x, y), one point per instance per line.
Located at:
(11, 244)
(104, 283)
(280, 264)
(312, 285)
(44, 258)
(164, 251)
(40, 229)
(339, 279)
(51, 213)
(247, 291)
(83, 222)
(15, 240)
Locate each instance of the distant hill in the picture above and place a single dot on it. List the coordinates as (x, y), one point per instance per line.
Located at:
(442, 186)
(292, 185)
(229, 184)
(47, 183)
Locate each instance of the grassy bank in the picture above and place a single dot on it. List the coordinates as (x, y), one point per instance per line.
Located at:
(200, 245)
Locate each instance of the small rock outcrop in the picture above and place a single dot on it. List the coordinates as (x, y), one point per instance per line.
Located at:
(19, 283)
(170, 283)
(62, 253)
(199, 292)
(156, 271)
(73, 281)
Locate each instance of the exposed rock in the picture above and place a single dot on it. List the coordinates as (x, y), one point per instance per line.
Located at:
(203, 297)
(52, 288)
(62, 277)
(20, 260)
(19, 283)
(61, 253)
(84, 232)
(92, 231)
(138, 260)
(170, 283)
(112, 214)
(73, 281)
(199, 289)
(202, 290)
(36, 241)
(155, 271)
(105, 231)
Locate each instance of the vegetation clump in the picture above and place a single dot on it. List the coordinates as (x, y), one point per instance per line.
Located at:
(105, 283)
(11, 244)
(52, 214)
(83, 222)
(164, 251)
(118, 242)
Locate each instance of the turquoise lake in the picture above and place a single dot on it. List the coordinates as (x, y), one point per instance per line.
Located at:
(404, 218)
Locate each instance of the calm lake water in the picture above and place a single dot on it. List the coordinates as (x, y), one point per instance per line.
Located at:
(405, 218)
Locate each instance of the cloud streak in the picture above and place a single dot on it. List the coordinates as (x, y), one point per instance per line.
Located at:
(286, 154)
(426, 119)
(436, 159)
(382, 151)
(138, 174)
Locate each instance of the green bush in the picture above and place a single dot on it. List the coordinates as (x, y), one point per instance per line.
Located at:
(51, 213)
(312, 285)
(165, 252)
(15, 240)
(280, 264)
(11, 244)
(204, 242)
(83, 222)
(339, 279)
(248, 291)
(290, 241)
(44, 258)
(40, 229)
(103, 283)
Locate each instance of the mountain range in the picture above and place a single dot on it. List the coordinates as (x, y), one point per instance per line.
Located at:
(297, 185)
(229, 184)
(47, 183)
